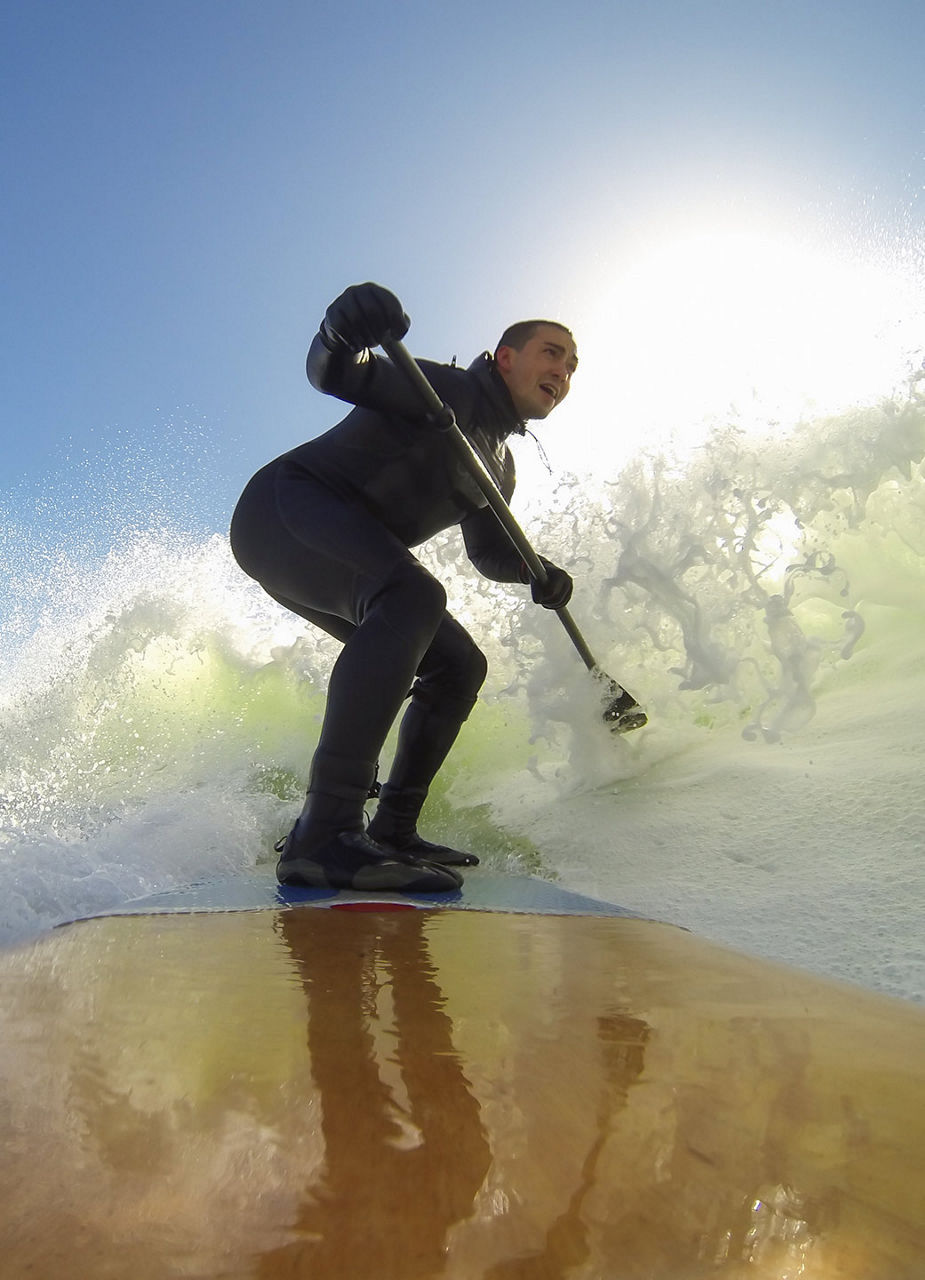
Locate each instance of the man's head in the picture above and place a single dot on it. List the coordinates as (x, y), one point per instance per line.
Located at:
(536, 358)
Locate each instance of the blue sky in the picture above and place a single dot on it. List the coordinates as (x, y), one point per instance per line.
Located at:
(188, 184)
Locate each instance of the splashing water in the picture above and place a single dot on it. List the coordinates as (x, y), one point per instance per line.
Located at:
(762, 597)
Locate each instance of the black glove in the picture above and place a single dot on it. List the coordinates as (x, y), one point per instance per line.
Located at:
(363, 316)
(556, 591)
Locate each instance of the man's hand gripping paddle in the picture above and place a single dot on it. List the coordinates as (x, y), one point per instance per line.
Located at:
(621, 712)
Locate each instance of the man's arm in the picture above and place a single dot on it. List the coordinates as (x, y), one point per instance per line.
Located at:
(364, 379)
(490, 549)
(495, 556)
(340, 360)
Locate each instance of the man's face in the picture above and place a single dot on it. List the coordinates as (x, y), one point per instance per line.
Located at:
(540, 374)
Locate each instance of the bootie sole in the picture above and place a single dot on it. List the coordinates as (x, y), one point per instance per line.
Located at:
(424, 851)
(353, 861)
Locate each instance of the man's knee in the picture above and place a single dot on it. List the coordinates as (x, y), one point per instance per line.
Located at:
(454, 669)
(474, 669)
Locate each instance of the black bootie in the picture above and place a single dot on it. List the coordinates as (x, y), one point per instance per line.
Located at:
(328, 847)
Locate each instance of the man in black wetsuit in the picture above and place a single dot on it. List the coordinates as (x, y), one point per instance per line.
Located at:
(326, 530)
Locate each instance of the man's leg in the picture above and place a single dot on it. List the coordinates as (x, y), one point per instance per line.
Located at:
(369, 683)
(333, 563)
(449, 678)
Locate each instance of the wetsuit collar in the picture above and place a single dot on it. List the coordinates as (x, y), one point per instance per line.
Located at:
(486, 371)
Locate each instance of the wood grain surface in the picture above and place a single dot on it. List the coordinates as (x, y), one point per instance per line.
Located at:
(417, 1093)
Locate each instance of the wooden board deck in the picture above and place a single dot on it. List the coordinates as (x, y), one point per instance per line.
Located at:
(421, 1093)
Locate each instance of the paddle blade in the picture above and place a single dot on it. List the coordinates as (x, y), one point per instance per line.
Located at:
(621, 712)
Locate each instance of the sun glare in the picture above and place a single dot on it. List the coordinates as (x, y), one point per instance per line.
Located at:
(732, 327)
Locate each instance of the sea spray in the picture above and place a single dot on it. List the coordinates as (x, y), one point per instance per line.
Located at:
(761, 596)
(764, 598)
(737, 572)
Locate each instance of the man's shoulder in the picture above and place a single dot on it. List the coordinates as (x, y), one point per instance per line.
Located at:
(452, 374)
(454, 384)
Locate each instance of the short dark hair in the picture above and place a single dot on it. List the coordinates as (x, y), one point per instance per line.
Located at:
(519, 334)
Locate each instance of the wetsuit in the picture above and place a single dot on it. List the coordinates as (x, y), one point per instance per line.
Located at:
(327, 528)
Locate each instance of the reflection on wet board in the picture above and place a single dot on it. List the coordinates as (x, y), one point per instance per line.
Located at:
(415, 1093)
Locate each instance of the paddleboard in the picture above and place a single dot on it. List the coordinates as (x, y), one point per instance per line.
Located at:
(240, 1081)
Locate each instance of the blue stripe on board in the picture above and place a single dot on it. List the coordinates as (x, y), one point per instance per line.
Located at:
(257, 890)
